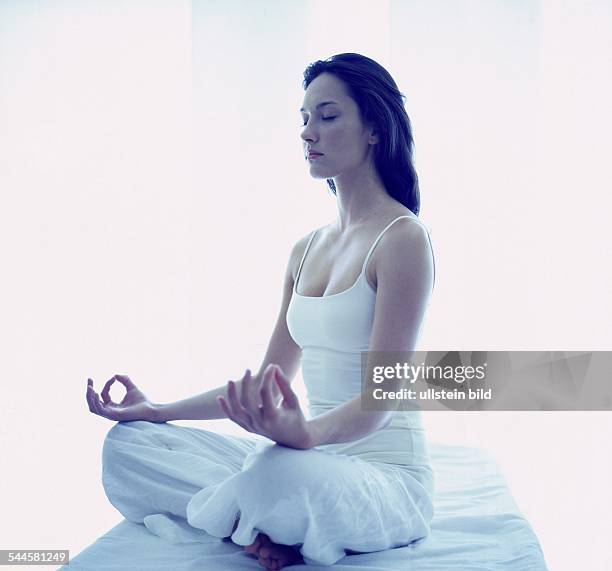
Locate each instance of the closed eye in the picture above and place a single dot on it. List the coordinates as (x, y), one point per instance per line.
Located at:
(324, 119)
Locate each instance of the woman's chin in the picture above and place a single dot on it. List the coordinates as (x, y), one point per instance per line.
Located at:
(319, 173)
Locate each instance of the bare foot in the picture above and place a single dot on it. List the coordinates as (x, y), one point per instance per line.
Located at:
(272, 555)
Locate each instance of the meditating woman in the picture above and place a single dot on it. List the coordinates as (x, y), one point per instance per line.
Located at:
(345, 479)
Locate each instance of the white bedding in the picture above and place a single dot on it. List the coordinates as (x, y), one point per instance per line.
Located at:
(476, 527)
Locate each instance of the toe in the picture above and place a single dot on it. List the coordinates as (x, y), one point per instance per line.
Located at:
(253, 548)
(260, 540)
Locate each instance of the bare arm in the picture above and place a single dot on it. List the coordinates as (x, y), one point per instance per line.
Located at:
(200, 407)
(282, 350)
(404, 276)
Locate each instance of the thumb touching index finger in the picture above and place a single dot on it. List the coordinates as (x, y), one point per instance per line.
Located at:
(125, 381)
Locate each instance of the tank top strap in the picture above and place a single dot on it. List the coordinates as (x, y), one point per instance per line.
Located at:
(297, 276)
(365, 263)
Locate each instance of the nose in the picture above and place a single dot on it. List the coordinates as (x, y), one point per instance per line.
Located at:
(307, 134)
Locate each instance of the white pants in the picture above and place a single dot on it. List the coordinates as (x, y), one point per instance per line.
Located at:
(328, 504)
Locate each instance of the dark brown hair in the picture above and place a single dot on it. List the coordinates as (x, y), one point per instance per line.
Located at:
(382, 104)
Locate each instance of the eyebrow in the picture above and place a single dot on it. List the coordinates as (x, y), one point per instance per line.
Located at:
(322, 104)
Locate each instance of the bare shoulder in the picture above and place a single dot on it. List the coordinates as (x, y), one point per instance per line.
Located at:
(297, 252)
(404, 243)
(405, 236)
(412, 225)
(405, 230)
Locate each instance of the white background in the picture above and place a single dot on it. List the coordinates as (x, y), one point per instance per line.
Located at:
(152, 185)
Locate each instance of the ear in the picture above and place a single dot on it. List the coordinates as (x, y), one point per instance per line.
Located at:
(373, 136)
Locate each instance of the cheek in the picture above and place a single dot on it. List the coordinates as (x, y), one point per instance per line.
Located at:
(347, 146)
(341, 140)
(339, 133)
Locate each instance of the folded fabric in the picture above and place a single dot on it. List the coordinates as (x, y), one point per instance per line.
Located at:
(476, 527)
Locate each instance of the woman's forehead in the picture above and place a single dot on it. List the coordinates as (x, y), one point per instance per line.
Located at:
(320, 105)
(323, 91)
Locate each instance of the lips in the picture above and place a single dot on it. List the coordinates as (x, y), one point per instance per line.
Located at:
(314, 154)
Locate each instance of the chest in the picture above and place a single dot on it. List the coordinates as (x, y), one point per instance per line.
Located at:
(332, 266)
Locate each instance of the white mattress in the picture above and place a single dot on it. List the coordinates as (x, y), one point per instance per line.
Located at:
(476, 526)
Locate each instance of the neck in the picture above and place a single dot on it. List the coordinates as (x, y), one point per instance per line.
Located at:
(359, 195)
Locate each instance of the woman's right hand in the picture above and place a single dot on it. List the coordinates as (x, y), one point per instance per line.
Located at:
(134, 406)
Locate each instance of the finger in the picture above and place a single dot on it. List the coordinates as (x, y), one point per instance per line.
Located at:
(228, 412)
(253, 404)
(223, 404)
(276, 392)
(89, 395)
(105, 394)
(98, 409)
(229, 401)
(290, 399)
(125, 381)
(246, 393)
(237, 409)
(93, 401)
(269, 369)
(232, 399)
(267, 400)
(268, 374)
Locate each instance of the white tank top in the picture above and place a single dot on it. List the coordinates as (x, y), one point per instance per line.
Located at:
(332, 331)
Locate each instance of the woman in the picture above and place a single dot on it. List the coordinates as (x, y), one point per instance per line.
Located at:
(345, 480)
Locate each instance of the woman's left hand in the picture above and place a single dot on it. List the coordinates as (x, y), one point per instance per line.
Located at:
(284, 424)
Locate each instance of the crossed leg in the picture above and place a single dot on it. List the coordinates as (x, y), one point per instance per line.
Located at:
(142, 474)
(325, 503)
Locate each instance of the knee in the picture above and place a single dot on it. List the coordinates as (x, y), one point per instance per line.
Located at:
(126, 430)
(117, 437)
